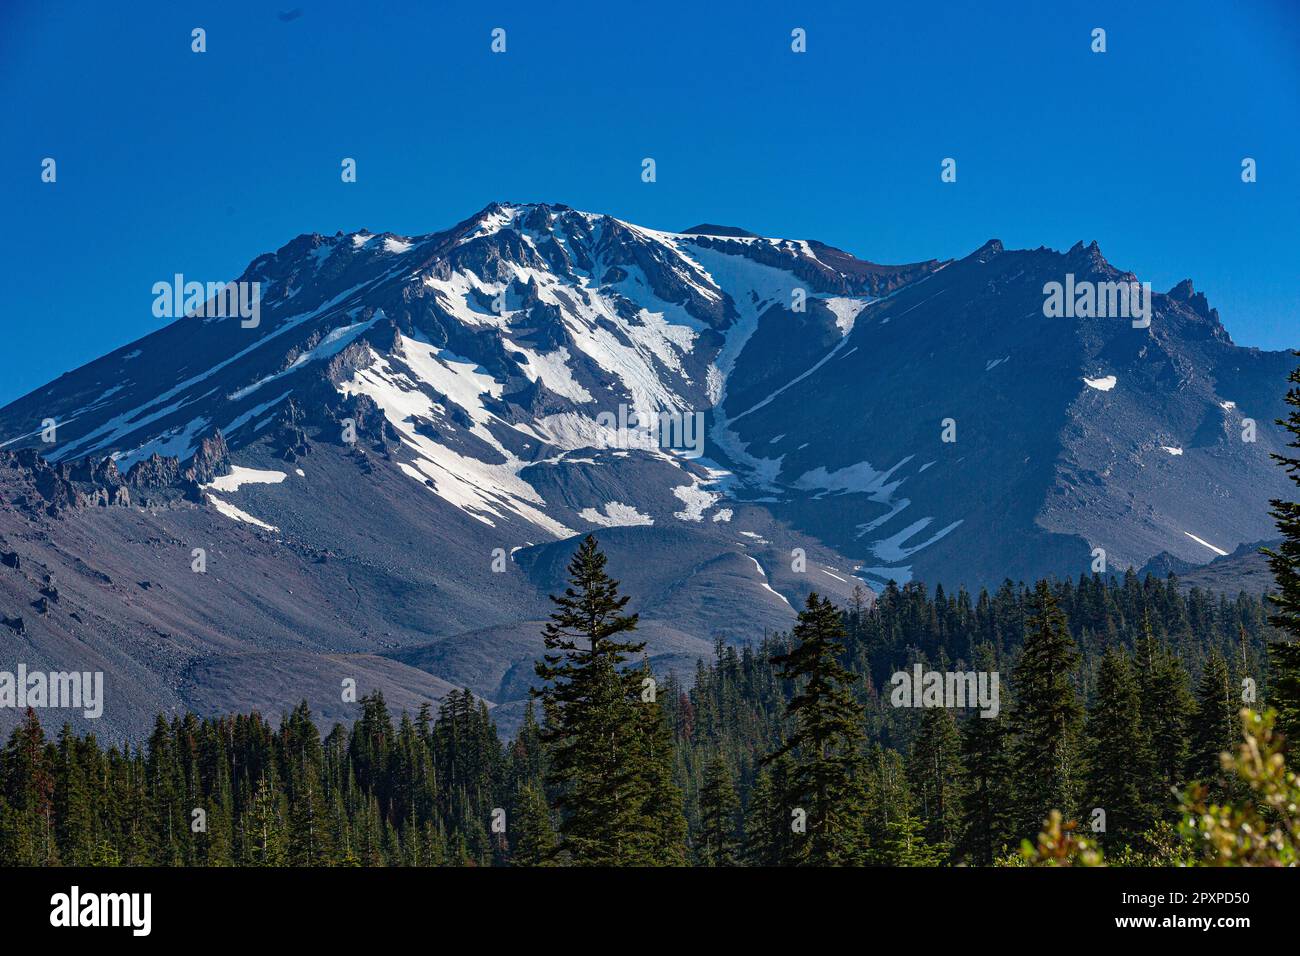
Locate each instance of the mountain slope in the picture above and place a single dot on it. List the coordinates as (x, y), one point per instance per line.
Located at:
(396, 458)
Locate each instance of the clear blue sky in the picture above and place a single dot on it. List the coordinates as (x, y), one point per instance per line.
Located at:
(170, 161)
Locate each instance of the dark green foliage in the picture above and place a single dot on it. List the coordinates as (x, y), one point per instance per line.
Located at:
(1215, 726)
(535, 844)
(1166, 711)
(1119, 755)
(607, 745)
(1284, 656)
(936, 775)
(719, 816)
(421, 790)
(825, 741)
(987, 818)
(1046, 718)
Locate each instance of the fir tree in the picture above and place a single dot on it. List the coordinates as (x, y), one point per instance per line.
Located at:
(1284, 657)
(769, 840)
(1215, 726)
(600, 749)
(827, 734)
(73, 813)
(987, 817)
(661, 817)
(719, 816)
(535, 844)
(935, 772)
(1119, 757)
(1046, 718)
(1166, 710)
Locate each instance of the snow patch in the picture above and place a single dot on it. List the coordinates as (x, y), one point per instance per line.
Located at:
(230, 511)
(846, 312)
(617, 515)
(1202, 541)
(245, 476)
(696, 501)
(766, 586)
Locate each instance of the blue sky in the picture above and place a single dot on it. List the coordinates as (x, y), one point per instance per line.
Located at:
(171, 161)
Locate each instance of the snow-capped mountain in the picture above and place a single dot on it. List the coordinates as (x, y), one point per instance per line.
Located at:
(394, 454)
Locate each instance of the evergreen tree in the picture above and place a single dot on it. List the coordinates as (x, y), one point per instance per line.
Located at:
(73, 813)
(535, 844)
(27, 832)
(1046, 718)
(828, 732)
(605, 754)
(1215, 726)
(661, 817)
(264, 837)
(769, 839)
(1166, 711)
(1119, 757)
(1284, 657)
(987, 817)
(905, 843)
(935, 773)
(719, 816)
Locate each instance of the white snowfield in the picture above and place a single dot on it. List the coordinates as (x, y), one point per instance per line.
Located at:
(616, 515)
(1202, 541)
(240, 476)
(763, 582)
(653, 358)
(230, 511)
(622, 344)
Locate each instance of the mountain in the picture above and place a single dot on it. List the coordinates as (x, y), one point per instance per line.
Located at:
(1245, 569)
(386, 467)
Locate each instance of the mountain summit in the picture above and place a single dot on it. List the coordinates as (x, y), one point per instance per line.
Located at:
(385, 467)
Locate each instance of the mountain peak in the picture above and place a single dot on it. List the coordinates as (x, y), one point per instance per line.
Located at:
(711, 229)
(987, 251)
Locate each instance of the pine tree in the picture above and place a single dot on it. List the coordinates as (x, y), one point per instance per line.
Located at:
(661, 816)
(599, 747)
(935, 772)
(1166, 710)
(987, 817)
(1284, 657)
(828, 732)
(264, 837)
(1215, 726)
(905, 843)
(535, 844)
(74, 819)
(1046, 718)
(1119, 757)
(719, 816)
(769, 840)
